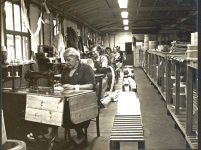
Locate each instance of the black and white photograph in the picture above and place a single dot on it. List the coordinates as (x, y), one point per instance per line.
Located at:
(100, 75)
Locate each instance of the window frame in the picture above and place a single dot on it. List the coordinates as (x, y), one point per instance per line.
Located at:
(15, 33)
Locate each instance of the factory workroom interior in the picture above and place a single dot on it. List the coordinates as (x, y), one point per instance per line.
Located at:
(100, 74)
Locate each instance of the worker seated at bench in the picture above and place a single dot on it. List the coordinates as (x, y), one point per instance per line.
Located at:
(76, 75)
(99, 63)
(116, 61)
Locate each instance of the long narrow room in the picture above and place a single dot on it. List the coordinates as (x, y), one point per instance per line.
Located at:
(100, 74)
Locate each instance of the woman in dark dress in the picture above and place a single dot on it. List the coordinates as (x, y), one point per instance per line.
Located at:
(76, 75)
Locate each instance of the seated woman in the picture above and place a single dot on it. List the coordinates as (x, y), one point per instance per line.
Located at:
(100, 64)
(76, 75)
(116, 61)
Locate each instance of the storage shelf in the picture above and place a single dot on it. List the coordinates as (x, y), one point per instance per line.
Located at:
(193, 64)
(180, 120)
(156, 85)
(182, 117)
(195, 100)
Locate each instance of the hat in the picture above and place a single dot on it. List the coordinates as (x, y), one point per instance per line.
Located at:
(71, 52)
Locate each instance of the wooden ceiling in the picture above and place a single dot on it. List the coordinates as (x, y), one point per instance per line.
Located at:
(104, 15)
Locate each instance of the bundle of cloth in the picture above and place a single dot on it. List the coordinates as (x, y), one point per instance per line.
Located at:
(178, 46)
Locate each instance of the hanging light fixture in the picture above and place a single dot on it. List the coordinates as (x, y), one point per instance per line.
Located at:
(126, 27)
(124, 14)
(123, 3)
(125, 21)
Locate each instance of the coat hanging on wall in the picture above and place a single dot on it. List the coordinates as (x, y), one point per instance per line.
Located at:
(58, 45)
(134, 41)
(72, 39)
(80, 45)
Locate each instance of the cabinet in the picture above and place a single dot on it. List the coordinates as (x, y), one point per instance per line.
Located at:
(175, 78)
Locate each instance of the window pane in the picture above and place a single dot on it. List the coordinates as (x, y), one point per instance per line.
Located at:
(25, 48)
(9, 16)
(18, 47)
(10, 47)
(55, 29)
(24, 29)
(17, 18)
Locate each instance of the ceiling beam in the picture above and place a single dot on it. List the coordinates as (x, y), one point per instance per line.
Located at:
(133, 9)
(154, 6)
(105, 11)
(107, 26)
(181, 20)
(138, 7)
(69, 16)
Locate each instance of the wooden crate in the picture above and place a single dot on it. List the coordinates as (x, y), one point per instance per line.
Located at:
(83, 107)
(44, 109)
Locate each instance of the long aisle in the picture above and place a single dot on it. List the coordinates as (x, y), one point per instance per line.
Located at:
(159, 130)
(158, 126)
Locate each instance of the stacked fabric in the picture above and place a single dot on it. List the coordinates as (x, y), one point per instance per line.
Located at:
(178, 47)
(163, 48)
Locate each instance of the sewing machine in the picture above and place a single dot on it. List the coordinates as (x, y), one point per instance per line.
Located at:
(33, 77)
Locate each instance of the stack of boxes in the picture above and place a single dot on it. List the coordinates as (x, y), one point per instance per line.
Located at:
(146, 42)
(152, 45)
(192, 49)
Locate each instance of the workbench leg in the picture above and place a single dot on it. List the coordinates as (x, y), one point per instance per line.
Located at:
(141, 145)
(67, 132)
(187, 146)
(97, 126)
(114, 145)
(85, 135)
(54, 135)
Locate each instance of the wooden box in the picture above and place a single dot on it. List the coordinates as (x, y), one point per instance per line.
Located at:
(44, 109)
(83, 107)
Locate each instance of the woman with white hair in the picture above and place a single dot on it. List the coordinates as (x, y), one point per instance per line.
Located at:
(76, 75)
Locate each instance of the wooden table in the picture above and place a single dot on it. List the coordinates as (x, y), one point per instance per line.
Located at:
(82, 104)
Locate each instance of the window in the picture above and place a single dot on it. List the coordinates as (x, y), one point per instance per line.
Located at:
(17, 36)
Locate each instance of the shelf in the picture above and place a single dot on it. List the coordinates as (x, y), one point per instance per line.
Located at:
(162, 54)
(156, 85)
(195, 101)
(13, 77)
(18, 64)
(193, 64)
(182, 116)
(180, 120)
